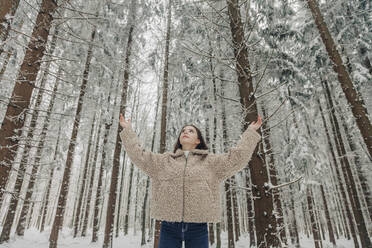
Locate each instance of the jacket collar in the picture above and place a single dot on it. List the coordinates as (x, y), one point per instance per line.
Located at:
(180, 152)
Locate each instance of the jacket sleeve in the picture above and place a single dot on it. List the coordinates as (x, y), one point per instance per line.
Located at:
(226, 165)
(147, 161)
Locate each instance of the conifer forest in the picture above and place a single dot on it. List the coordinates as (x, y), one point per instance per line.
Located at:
(68, 68)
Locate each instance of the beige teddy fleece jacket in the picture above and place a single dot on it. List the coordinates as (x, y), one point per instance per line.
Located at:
(188, 189)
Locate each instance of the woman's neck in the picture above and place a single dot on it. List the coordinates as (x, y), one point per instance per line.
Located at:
(187, 148)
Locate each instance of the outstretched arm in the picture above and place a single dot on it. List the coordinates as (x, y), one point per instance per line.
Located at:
(147, 161)
(228, 164)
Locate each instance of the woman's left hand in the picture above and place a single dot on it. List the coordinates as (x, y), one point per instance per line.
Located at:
(256, 124)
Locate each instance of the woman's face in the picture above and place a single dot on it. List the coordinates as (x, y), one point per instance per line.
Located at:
(189, 137)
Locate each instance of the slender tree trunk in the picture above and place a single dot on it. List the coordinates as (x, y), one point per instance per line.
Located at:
(212, 141)
(91, 181)
(58, 219)
(274, 180)
(99, 191)
(21, 96)
(357, 162)
(236, 209)
(227, 193)
(120, 198)
(263, 202)
(339, 179)
(316, 235)
(328, 218)
(346, 169)
(353, 97)
(22, 168)
(129, 197)
(84, 181)
(115, 167)
(38, 154)
(163, 124)
(146, 201)
(250, 212)
(294, 235)
(35, 116)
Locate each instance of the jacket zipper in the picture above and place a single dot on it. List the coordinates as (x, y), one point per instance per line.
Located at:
(183, 203)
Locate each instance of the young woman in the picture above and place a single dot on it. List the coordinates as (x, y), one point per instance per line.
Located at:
(185, 183)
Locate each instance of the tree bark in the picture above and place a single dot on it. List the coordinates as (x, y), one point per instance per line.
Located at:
(99, 191)
(35, 116)
(21, 96)
(227, 187)
(115, 167)
(164, 105)
(91, 181)
(346, 169)
(58, 219)
(328, 218)
(274, 180)
(339, 179)
(263, 200)
(353, 97)
(84, 181)
(316, 235)
(357, 162)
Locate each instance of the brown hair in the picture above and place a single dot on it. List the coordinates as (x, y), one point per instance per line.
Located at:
(202, 145)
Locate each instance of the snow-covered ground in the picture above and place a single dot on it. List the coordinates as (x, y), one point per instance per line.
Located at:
(33, 238)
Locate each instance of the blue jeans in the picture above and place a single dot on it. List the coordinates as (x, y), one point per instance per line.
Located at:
(194, 234)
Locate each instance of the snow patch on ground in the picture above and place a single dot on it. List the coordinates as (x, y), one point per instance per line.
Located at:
(33, 238)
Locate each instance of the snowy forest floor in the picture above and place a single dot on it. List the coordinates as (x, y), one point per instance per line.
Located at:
(33, 238)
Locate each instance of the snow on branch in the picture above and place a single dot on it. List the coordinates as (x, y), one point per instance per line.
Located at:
(269, 186)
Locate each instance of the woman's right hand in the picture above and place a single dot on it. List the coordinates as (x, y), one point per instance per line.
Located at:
(124, 123)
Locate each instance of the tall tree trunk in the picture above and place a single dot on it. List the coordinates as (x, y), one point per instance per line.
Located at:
(236, 209)
(363, 180)
(129, 197)
(107, 126)
(353, 97)
(116, 163)
(163, 124)
(99, 191)
(91, 181)
(250, 211)
(58, 219)
(274, 180)
(294, 229)
(229, 181)
(118, 216)
(38, 153)
(211, 236)
(316, 235)
(339, 179)
(35, 116)
(214, 142)
(145, 200)
(346, 169)
(131, 168)
(328, 218)
(84, 181)
(22, 167)
(21, 96)
(263, 202)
